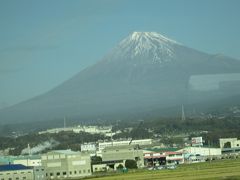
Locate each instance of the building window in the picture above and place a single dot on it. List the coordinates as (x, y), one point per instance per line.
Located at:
(70, 172)
(80, 172)
(89, 171)
(84, 171)
(58, 173)
(46, 174)
(237, 144)
(51, 174)
(75, 172)
(24, 178)
(64, 173)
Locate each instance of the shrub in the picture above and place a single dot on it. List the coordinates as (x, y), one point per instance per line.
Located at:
(131, 164)
(120, 166)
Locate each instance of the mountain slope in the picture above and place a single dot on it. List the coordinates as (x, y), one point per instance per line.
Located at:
(144, 71)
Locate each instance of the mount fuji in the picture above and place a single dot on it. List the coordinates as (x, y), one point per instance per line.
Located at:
(145, 72)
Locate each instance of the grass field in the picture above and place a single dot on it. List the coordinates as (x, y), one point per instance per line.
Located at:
(221, 169)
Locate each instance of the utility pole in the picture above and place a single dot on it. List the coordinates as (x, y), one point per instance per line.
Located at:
(209, 152)
(139, 125)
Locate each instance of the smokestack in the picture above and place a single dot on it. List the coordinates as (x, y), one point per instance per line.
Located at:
(29, 150)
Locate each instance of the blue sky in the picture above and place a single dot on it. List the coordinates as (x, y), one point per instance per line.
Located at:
(43, 43)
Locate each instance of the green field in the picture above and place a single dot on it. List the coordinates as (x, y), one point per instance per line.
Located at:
(221, 169)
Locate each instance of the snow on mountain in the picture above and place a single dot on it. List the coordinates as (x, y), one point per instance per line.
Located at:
(152, 46)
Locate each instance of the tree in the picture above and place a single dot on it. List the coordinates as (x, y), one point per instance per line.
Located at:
(131, 164)
(120, 167)
(96, 160)
(227, 145)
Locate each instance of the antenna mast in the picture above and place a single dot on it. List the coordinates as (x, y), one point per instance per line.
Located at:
(183, 114)
(64, 123)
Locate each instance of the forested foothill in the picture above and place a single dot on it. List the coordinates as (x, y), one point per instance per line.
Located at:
(168, 131)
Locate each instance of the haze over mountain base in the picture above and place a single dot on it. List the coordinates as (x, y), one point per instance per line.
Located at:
(145, 73)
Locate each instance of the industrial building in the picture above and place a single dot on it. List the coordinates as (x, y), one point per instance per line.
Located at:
(100, 167)
(140, 142)
(39, 173)
(115, 155)
(201, 154)
(33, 160)
(16, 172)
(66, 164)
(203, 151)
(194, 158)
(229, 143)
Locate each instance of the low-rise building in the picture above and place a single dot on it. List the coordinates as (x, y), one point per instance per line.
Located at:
(163, 157)
(97, 129)
(88, 147)
(140, 142)
(99, 167)
(66, 164)
(194, 158)
(203, 151)
(78, 129)
(33, 160)
(15, 172)
(116, 155)
(229, 143)
(6, 160)
(39, 173)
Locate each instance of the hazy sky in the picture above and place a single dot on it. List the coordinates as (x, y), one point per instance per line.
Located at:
(43, 43)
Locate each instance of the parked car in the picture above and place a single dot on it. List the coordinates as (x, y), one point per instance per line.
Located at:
(171, 167)
(160, 167)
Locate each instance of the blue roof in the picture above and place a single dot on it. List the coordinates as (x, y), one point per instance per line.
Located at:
(12, 167)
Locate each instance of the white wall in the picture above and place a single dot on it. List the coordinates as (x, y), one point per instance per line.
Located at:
(203, 151)
(28, 162)
(234, 142)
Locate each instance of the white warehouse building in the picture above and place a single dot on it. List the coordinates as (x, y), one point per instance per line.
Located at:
(203, 151)
(140, 142)
(229, 143)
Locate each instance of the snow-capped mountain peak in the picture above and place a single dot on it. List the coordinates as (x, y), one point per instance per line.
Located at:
(153, 47)
(151, 36)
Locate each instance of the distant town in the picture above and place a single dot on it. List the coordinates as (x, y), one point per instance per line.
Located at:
(106, 154)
